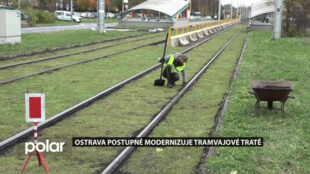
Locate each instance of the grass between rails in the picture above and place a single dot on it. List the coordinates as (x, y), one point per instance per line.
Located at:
(192, 116)
(43, 41)
(286, 139)
(120, 114)
(117, 42)
(23, 70)
(65, 88)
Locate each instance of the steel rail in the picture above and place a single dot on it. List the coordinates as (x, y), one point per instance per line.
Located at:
(66, 55)
(10, 57)
(129, 149)
(60, 116)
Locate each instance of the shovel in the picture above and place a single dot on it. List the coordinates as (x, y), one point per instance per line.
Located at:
(160, 81)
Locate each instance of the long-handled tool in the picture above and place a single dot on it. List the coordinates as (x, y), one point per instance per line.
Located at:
(160, 81)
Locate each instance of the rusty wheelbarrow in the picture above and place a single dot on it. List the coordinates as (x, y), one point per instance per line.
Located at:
(271, 91)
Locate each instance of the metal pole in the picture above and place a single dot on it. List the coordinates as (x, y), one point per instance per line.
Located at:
(206, 7)
(189, 10)
(71, 9)
(241, 5)
(237, 15)
(123, 6)
(199, 7)
(231, 9)
(219, 13)
(277, 20)
(211, 9)
(18, 4)
(101, 17)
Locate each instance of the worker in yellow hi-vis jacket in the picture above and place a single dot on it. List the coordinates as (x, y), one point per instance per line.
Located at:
(173, 65)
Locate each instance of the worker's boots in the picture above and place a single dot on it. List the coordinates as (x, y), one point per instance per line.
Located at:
(170, 83)
(169, 78)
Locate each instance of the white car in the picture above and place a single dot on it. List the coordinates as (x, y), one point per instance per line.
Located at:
(110, 15)
(66, 16)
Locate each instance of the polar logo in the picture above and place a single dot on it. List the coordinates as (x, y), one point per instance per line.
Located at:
(41, 147)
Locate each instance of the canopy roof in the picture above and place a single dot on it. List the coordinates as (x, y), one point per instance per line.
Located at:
(169, 7)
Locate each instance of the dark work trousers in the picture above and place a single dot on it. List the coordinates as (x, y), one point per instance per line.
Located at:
(171, 77)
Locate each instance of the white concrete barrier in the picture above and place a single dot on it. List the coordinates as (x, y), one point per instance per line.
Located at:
(200, 35)
(187, 38)
(174, 42)
(193, 37)
(205, 32)
(183, 41)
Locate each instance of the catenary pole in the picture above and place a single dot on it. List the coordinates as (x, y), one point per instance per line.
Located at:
(277, 20)
(219, 13)
(101, 29)
(237, 15)
(231, 9)
(71, 10)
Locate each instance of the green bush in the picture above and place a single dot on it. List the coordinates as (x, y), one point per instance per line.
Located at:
(39, 17)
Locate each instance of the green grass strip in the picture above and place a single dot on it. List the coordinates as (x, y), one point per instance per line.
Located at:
(121, 114)
(192, 116)
(286, 140)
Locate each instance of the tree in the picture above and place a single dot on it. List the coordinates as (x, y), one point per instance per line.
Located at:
(296, 17)
(83, 5)
(117, 4)
(47, 5)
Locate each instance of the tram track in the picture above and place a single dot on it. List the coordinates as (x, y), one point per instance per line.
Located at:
(10, 57)
(69, 54)
(26, 133)
(125, 153)
(77, 63)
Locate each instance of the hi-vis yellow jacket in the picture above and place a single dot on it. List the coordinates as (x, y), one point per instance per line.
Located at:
(169, 61)
(174, 68)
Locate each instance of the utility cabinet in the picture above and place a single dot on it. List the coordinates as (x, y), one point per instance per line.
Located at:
(10, 31)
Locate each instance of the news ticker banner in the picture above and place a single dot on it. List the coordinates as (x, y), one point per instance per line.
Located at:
(137, 142)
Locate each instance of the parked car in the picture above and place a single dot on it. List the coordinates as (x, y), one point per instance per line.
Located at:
(195, 15)
(110, 15)
(88, 15)
(66, 16)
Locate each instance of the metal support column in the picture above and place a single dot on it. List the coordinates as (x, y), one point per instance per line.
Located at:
(101, 28)
(277, 20)
(219, 13)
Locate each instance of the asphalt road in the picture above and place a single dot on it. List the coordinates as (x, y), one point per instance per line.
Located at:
(65, 27)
